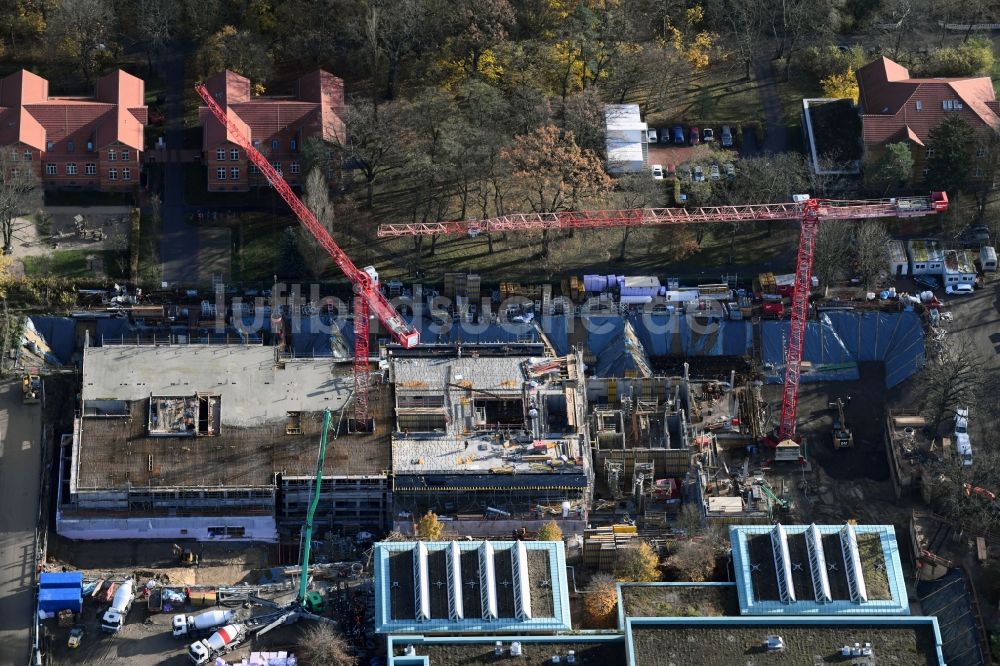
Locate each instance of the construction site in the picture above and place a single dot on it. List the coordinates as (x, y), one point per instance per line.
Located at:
(619, 408)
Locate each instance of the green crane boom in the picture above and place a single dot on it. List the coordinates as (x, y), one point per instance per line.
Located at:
(307, 537)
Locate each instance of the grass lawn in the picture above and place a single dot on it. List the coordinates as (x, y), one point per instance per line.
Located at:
(150, 269)
(718, 95)
(256, 243)
(60, 264)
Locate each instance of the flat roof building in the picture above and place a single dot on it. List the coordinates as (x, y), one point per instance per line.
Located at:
(626, 138)
(471, 586)
(959, 267)
(195, 441)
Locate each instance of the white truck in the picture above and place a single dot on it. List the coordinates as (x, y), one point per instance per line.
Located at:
(114, 618)
(222, 641)
(203, 624)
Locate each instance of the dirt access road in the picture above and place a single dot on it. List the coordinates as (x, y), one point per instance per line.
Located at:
(20, 467)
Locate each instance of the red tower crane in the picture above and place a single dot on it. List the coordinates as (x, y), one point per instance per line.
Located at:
(810, 212)
(368, 297)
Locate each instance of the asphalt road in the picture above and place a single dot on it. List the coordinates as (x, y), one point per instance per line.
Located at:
(20, 460)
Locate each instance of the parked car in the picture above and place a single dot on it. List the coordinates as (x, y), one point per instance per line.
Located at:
(671, 171)
(699, 174)
(707, 135)
(713, 172)
(664, 133)
(727, 137)
(730, 170)
(977, 234)
(961, 420)
(678, 134)
(75, 637)
(657, 172)
(927, 281)
(695, 138)
(651, 136)
(963, 288)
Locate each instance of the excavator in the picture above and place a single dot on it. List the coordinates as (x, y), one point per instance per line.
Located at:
(843, 438)
(31, 387)
(185, 556)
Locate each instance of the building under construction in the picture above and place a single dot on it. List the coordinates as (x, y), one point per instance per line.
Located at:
(490, 439)
(216, 441)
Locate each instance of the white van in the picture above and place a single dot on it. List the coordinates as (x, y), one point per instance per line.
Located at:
(963, 446)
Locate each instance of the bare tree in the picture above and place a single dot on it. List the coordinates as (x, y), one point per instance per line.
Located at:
(84, 33)
(19, 193)
(316, 197)
(156, 24)
(743, 23)
(636, 190)
(322, 645)
(372, 144)
(832, 253)
(870, 252)
(953, 377)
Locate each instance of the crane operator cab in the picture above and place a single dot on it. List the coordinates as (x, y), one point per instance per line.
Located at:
(372, 273)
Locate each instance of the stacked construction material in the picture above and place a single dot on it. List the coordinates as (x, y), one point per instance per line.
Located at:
(60, 591)
(601, 545)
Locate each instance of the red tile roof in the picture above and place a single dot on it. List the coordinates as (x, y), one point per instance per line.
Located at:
(889, 99)
(316, 109)
(117, 113)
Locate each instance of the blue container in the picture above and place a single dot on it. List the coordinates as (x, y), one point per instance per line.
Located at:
(55, 599)
(71, 579)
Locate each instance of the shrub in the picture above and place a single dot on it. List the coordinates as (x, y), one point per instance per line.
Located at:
(826, 61)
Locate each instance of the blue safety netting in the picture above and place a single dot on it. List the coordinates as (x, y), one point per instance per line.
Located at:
(59, 334)
(682, 335)
(838, 341)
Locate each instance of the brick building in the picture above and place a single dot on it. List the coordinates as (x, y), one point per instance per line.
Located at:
(896, 107)
(76, 142)
(278, 127)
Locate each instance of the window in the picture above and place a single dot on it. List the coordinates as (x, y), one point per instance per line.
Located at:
(926, 171)
(234, 174)
(274, 144)
(69, 146)
(253, 169)
(921, 267)
(930, 152)
(920, 105)
(951, 105)
(980, 152)
(220, 154)
(979, 172)
(15, 172)
(220, 173)
(91, 169)
(112, 156)
(112, 174)
(50, 170)
(50, 145)
(27, 156)
(293, 145)
(126, 174)
(70, 169)
(256, 143)
(125, 155)
(277, 166)
(295, 167)
(234, 154)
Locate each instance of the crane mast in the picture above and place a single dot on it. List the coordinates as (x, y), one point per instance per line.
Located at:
(809, 212)
(368, 296)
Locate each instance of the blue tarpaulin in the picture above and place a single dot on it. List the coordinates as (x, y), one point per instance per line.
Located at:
(59, 334)
(839, 340)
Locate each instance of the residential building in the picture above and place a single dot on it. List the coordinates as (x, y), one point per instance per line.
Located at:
(626, 137)
(926, 257)
(216, 441)
(76, 142)
(898, 108)
(278, 126)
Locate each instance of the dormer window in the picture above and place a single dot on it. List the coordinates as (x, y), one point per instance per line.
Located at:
(951, 105)
(50, 145)
(69, 146)
(919, 105)
(112, 156)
